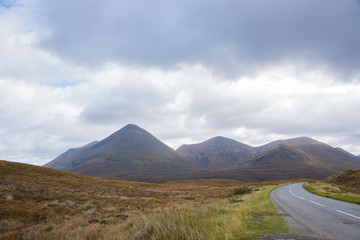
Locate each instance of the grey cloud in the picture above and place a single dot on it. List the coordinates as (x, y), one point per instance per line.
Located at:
(126, 101)
(231, 37)
(181, 104)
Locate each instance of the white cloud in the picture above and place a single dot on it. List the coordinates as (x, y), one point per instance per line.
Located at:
(176, 107)
(51, 102)
(21, 59)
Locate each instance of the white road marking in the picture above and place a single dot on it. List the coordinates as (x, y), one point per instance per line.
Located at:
(316, 203)
(290, 190)
(348, 214)
(319, 204)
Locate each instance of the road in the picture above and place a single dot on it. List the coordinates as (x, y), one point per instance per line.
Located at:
(327, 218)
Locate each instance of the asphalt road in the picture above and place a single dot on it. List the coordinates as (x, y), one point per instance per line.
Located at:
(326, 218)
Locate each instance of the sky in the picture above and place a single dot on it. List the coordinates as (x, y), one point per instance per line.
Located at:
(256, 71)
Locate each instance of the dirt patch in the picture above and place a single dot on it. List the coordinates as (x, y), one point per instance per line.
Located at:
(286, 236)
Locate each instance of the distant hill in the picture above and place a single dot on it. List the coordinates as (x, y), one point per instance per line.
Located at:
(290, 142)
(217, 153)
(315, 160)
(130, 153)
(134, 154)
(220, 152)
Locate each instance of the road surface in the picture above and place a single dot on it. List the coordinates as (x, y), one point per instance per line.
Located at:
(327, 218)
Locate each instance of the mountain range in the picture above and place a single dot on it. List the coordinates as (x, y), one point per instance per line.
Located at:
(220, 152)
(132, 153)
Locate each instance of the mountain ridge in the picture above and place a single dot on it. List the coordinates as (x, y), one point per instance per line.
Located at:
(217, 152)
(213, 149)
(132, 153)
(291, 142)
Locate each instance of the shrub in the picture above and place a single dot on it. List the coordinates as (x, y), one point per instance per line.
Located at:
(242, 190)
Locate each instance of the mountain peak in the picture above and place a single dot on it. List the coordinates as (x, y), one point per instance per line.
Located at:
(297, 141)
(292, 142)
(219, 140)
(217, 152)
(128, 128)
(303, 140)
(131, 126)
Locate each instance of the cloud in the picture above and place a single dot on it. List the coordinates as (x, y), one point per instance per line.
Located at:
(74, 72)
(40, 122)
(21, 59)
(229, 37)
(280, 102)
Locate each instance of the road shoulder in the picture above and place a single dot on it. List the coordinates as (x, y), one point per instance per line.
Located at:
(297, 231)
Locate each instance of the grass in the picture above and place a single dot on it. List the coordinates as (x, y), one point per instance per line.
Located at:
(331, 191)
(41, 203)
(249, 218)
(348, 180)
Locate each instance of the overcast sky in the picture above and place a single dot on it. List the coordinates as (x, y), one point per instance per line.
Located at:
(72, 72)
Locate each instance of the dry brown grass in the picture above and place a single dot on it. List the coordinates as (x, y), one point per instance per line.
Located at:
(41, 203)
(331, 188)
(346, 183)
(348, 180)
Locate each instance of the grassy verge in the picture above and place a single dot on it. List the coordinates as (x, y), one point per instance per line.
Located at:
(337, 196)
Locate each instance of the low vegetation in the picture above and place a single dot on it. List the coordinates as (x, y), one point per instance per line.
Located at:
(41, 203)
(242, 190)
(349, 180)
(343, 186)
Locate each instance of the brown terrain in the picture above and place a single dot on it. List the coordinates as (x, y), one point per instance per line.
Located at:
(44, 203)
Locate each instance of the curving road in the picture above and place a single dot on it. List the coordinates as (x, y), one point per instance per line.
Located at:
(327, 218)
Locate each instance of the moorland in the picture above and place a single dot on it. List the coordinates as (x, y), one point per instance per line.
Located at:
(43, 203)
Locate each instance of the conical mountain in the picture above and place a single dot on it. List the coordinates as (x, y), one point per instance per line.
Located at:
(217, 153)
(130, 153)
